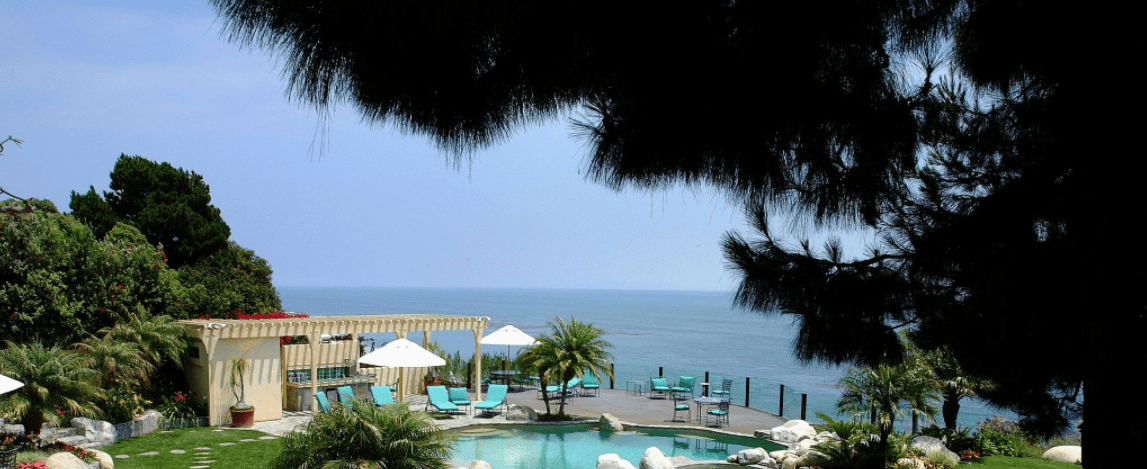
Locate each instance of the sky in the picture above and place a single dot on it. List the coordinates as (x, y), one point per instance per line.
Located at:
(335, 201)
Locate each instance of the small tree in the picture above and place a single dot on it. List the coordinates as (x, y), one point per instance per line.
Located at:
(57, 383)
(881, 393)
(571, 349)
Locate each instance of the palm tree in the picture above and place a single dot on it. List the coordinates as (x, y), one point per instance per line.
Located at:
(361, 435)
(571, 349)
(882, 391)
(158, 338)
(954, 383)
(57, 383)
(116, 362)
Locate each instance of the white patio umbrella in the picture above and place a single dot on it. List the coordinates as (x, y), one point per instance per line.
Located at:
(508, 335)
(401, 353)
(8, 385)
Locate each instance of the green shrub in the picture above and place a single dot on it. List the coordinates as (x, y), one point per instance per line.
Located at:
(859, 447)
(998, 436)
(845, 429)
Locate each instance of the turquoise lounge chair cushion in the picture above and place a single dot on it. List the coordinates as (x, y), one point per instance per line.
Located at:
(684, 385)
(494, 398)
(590, 382)
(346, 394)
(658, 385)
(324, 404)
(381, 395)
(437, 397)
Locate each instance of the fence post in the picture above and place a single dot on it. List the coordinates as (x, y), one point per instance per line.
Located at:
(804, 405)
(469, 373)
(660, 371)
(746, 391)
(781, 411)
(611, 376)
(705, 389)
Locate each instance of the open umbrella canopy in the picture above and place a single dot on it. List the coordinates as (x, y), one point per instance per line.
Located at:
(508, 335)
(401, 353)
(8, 384)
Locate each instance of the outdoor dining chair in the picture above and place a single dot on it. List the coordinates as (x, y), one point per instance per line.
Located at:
(682, 407)
(726, 387)
(684, 385)
(381, 395)
(459, 397)
(659, 385)
(719, 414)
(590, 383)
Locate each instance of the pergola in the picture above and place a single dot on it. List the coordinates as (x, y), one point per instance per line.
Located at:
(220, 341)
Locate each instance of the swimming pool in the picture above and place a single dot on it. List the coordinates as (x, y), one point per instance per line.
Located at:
(578, 446)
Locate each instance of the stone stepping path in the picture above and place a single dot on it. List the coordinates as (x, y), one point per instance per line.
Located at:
(202, 454)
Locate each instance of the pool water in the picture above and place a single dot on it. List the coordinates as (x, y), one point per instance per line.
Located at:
(578, 446)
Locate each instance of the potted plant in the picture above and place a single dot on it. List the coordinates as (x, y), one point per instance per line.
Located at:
(242, 413)
(430, 380)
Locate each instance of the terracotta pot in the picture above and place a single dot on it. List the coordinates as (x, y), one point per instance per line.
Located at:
(242, 418)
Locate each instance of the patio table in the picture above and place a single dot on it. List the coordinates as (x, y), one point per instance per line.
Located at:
(704, 401)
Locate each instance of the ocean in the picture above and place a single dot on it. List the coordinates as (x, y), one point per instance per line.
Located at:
(687, 333)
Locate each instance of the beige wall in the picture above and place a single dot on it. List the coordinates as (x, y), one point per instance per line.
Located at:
(263, 380)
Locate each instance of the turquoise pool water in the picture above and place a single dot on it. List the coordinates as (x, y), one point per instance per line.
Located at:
(578, 446)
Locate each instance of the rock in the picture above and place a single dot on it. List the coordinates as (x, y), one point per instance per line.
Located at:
(751, 456)
(817, 458)
(106, 461)
(65, 460)
(911, 462)
(655, 459)
(779, 455)
(97, 431)
(613, 461)
(803, 446)
(521, 412)
(930, 446)
(1070, 454)
(763, 434)
(12, 428)
(479, 464)
(609, 422)
(793, 430)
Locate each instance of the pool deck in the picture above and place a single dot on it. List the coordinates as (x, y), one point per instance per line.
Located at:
(641, 410)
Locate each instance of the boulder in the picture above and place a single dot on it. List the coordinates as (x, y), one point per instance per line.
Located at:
(106, 461)
(12, 428)
(914, 463)
(613, 461)
(792, 431)
(655, 459)
(930, 446)
(1069, 454)
(521, 412)
(609, 422)
(96, 431)
(65, 460)
(479, 464)
(753, 456)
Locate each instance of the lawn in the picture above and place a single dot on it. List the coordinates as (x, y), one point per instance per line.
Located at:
(1008, 462)
(225, 448)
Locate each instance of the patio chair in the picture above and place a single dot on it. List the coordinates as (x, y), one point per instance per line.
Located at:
(571, 385)
(346, 394)
(658, 385)
(437, 397)
(590, 383)
(459, 397)
(682, 406)
(719, 414)
(324, 404)
(684, 385)
(381, 395)
(494, 398)
(726, 386)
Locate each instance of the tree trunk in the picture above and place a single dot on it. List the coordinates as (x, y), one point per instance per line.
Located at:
(950, 410)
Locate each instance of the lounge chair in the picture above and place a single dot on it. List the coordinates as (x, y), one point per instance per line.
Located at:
(459, 397)
(684, 385)
(324, 404)
(436, 396)
(725, 391)
(346, 394)
(590, 383)
(659, 385)
(682, 406)
(494, 398)
(720, 413)
(381, 395)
